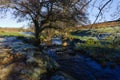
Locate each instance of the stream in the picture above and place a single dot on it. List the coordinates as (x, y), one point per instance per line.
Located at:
(82, 67)
(78, 66)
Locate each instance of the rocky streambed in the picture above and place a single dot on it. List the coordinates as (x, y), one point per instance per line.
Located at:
(22, 61)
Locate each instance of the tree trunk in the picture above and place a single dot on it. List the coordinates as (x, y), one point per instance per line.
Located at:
(37, 32)
(37, 40)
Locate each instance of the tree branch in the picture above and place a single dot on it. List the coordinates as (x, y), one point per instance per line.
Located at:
(100, 11)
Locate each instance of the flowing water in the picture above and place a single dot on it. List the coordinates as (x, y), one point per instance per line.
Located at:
(84, 68)
(78, 66)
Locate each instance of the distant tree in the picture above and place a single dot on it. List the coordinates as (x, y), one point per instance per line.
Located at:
(46, 13)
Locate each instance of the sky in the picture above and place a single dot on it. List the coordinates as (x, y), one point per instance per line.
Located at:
(107, 12)
(10, 22)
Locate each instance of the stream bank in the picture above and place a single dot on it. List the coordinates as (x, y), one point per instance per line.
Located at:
(23, 61)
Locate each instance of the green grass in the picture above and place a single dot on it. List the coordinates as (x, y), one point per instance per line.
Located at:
(93, 33)
(109, 29)
(9, 34)
(105, 49)
(84, 38)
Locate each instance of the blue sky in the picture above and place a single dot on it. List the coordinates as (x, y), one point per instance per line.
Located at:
(10, 22)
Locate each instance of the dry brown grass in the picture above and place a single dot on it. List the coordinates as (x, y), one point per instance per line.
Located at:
(95, 26)
(10, 29)
(105, 24)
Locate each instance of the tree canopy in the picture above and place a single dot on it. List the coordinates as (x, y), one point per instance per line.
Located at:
(45, 13)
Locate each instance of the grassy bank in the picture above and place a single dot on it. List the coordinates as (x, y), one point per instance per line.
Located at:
(102, 50)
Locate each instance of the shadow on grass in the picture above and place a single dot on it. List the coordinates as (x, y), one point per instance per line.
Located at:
(81, 33)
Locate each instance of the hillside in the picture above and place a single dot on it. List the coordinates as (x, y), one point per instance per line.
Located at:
(11, 29)
(105, 24)
(109, 24)
(96, 25)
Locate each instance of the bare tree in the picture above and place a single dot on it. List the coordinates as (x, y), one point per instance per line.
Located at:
(45, 13)
(101, 7)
